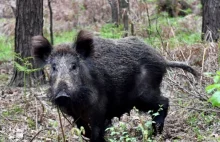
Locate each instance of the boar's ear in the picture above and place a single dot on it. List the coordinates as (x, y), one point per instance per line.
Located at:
(84, 43)
(41, 49)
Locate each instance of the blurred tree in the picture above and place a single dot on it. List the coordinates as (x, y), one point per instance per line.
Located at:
(174, 7)
(210, 20)
(29, 22)
(123, 14)
(114, 8)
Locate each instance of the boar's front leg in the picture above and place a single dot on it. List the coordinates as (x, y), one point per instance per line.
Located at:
(98, 127)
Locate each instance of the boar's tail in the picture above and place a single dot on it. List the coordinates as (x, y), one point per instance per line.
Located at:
(176, 64)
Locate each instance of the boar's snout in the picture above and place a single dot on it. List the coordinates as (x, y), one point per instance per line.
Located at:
(62, 94)
(62, 98)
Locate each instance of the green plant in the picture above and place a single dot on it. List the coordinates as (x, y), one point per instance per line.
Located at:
(170, 30)
(125, 132)
(13, 111)
(214, 89)
(63, 37)
(202, 124)
(26, 67)
(111, 31)
(120, 133)
(78, 132)
(31, 123)
(6, 48)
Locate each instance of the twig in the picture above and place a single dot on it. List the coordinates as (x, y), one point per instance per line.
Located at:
(163, 47)
(40, 132)
(198, 109)
(183, 55)
(36, 122)
(203, 61)
(149, 22)
(67, 118)
(42, 105)
(188, 92)
(61, 124)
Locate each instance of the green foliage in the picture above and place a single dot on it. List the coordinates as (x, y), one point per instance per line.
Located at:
(12, 111)
(78, 132)
(31, 123)
(206, 119)
(214, 89)
(111, 31)
(6, 46)
(63, 37)
(120, 133)
(124, 132)
(164, 25)
(26, 67)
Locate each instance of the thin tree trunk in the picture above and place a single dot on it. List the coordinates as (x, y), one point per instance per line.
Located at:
(29, 22)
(211, 20)
(51, 22)
(123, 14)
(114, 8)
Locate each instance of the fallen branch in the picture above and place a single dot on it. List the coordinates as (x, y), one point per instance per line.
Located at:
(61, 125)
(198, 109)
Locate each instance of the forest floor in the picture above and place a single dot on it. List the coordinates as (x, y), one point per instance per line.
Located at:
(26, 115)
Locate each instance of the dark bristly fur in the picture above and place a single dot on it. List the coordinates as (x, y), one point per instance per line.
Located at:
(98, 79)
(176, 64)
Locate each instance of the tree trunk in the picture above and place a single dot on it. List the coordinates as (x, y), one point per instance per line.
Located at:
(123, 13)
(211, 20)
(114, 8)
(29, 22)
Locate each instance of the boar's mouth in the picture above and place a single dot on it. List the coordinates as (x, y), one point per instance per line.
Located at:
(62, 98)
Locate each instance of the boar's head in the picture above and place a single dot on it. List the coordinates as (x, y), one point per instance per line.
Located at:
(69, 73)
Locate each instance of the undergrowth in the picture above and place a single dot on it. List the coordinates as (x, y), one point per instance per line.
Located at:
(111, 31)
(6, 48)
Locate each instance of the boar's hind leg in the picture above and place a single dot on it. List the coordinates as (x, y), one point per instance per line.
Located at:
(152, 100)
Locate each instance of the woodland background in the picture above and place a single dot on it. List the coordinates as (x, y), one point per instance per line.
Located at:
(27, 115)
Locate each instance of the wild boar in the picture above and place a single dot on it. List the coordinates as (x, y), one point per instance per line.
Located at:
(97, 79)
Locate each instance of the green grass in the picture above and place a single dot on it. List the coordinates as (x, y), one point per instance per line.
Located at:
(63, 37)
(6, 48)
(207, 123)
(111, 31)
(182, 35)
(155, 36)
(13, 111)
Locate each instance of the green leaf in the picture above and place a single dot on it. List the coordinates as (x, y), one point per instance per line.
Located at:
(212, 87)
(155, 114)
(24, 68)
(215, 99)
(148, 124)
(20, 67)
(218, 73)
(216, 78)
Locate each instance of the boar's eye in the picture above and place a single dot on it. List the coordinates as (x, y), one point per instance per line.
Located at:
(73, 66)
(54, 68)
